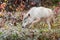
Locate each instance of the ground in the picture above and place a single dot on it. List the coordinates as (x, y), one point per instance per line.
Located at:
(39, 32)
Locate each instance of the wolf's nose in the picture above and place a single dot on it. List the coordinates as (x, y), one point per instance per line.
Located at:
(23, 27)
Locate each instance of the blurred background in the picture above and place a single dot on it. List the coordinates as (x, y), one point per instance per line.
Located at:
(15, 5)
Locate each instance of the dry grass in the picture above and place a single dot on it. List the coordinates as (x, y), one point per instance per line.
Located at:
(38, 32)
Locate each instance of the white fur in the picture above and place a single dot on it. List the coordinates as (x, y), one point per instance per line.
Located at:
(36, 13)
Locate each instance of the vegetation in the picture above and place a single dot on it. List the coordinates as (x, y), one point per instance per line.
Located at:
(39, 31)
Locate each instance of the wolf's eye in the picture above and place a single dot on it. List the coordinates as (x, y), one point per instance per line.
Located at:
(25, 18)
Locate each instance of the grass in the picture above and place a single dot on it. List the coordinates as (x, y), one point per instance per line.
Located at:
(39, 32)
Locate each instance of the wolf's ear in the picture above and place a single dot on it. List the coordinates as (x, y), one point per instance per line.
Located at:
(28, 15)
